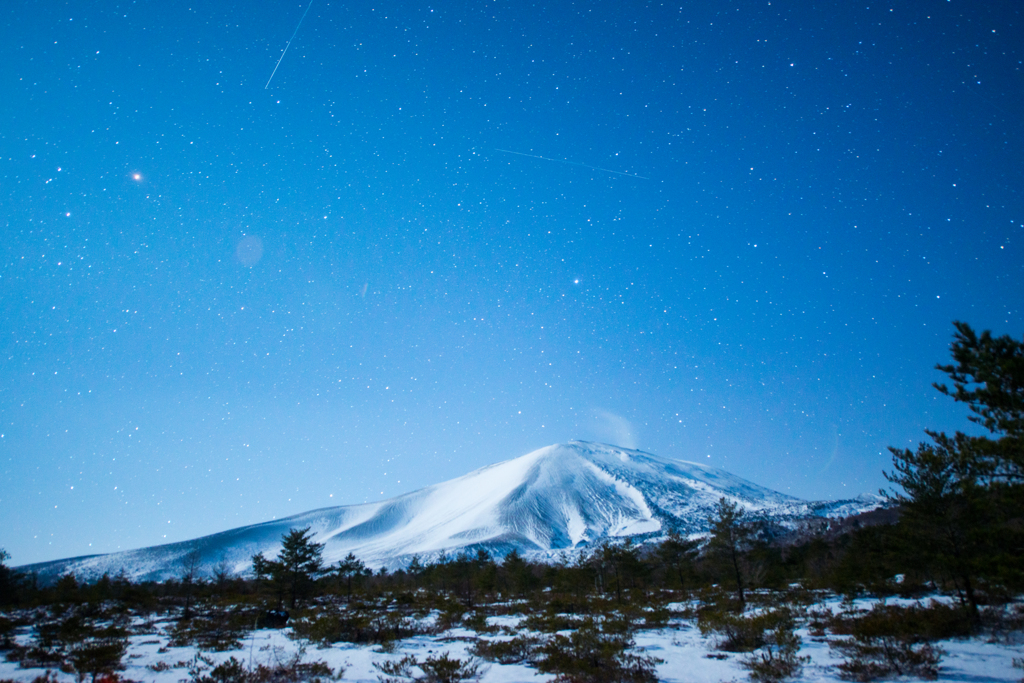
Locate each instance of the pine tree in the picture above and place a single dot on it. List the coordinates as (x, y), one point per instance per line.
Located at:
(989, 378)
(297, 566)
(352, 567)
(677, 554)
(189, 566)
(517, 573)
(623, 560)
(11, 581)
(730, 539)
(962, 496)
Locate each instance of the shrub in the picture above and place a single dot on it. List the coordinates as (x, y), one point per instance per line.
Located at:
(518, 650)
(550, 623)
(16, 653)
(934, 622)
(735, 633)
(45, 677)
(589, 656)
(817, 621)
(230, 671)
(217, 630)
(769, 636)
(868, 659)
(294, 670)
(656, 618)
(891, 640)
(196, 666)
(63, 632)
(445, 669)
(778, 656)
(357, 627)
(449, 616)
(1003, 622)
(715, 599)
(391, 626)
(98, 656)
(477, 621)
(395, 670)
(6, 633)
(75, 643)
(291, 670)
(32, 657)
(442, 669)
(334, 627)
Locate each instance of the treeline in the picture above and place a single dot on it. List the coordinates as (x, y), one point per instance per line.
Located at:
(736, 557)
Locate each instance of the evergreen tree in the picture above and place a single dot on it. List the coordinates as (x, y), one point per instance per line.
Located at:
(517, 573)
(352, 567)
(989, 377)
(730, 539)
(99, 655)
(486, 571)
(189, 566)
(296, 568)
(623, 560)
(260, 570)
(301, 562)
(11, 581)
(962, 496)
(414, 570)
(678, 554)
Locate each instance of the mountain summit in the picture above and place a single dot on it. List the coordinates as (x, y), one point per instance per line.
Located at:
(558, 498)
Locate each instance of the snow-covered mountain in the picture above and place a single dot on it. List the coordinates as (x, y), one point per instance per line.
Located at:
(556, 499)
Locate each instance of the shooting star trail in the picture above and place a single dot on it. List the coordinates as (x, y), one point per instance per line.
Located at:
(288, 45)
(572, 163)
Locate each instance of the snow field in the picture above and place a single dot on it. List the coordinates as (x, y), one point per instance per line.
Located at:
(687, 656)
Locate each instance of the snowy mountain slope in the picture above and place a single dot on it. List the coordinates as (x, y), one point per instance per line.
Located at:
(555, 499)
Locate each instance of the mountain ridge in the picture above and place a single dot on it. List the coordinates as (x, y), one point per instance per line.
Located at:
(557, 499)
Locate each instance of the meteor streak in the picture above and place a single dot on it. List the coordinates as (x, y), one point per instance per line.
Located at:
(288, 45)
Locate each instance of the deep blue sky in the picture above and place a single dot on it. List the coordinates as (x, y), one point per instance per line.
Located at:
(823, 188)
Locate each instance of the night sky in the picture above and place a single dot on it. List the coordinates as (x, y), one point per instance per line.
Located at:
(446, 235)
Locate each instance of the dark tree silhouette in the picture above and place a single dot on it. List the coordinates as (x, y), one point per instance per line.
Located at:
(296, 568)
(962, 496)
(348, 569)
(189, 567)
(299, 564)
(730, 539)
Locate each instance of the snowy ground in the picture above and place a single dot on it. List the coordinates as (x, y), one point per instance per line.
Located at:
(687, 656)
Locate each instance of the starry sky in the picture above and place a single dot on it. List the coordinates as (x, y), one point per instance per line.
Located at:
(444, 235)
